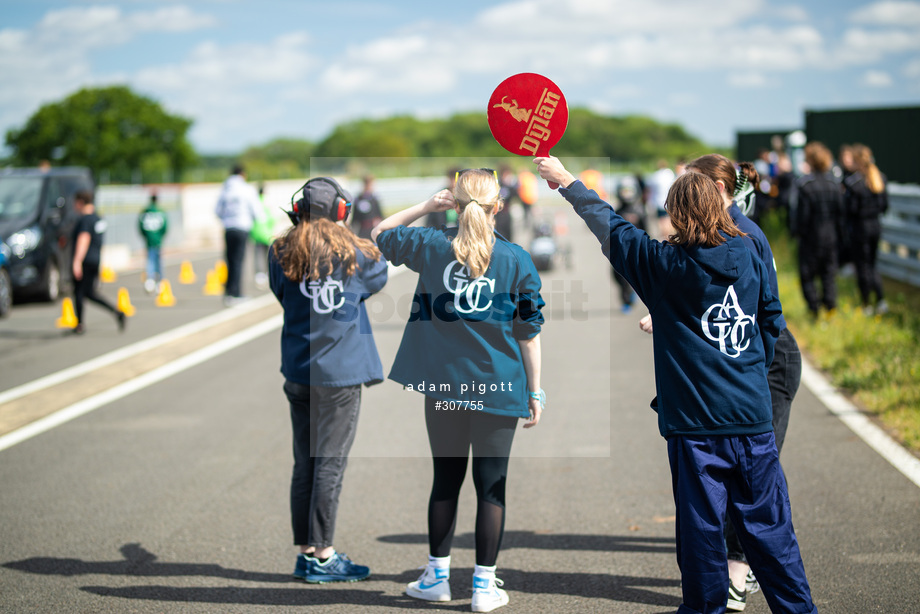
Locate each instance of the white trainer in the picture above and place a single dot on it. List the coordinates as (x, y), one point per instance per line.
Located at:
(486, 594)
(432, 585)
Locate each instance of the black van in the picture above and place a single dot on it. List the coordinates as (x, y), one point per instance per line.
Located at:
(37, 219)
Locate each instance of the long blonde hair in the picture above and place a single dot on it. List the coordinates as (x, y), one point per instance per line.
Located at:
(477, 194)
(312, 249)
(862, 158)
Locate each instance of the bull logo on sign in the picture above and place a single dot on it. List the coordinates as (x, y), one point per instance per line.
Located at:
(521, 115)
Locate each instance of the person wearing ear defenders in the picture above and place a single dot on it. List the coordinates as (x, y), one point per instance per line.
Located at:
(322, 273)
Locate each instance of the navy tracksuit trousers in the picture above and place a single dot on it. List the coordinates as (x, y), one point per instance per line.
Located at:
(739, 476)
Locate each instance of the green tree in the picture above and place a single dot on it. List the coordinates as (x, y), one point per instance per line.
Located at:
(112, 130)
(630, 139)
(280, 158)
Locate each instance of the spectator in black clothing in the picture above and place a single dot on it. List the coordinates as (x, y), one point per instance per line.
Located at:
(631, 207)
(87, 251)
(367, 213)
(508, 192)
(866, 201)
(845, 159)
(819, 217)
(845, 167)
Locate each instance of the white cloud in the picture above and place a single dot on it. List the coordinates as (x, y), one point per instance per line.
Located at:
(748, 80)
(683, 99)
(170, 19)
(891, 13)
(877, 78)
(614, 53)
(237, 88)
(859, 46)
(790, 13)
(52, 59)
(79, 28)
(608, 35)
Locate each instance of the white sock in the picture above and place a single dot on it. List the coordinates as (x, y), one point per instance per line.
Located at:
(440, 562)
(482, 571)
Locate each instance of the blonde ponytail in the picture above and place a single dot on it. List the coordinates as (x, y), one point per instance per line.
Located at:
(874, 179)
(477, 193)
(862, 156)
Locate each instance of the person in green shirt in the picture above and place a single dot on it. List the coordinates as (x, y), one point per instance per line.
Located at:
(262, 235)
(152, 224)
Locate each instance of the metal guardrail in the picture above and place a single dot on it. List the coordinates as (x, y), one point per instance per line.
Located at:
(899, 252)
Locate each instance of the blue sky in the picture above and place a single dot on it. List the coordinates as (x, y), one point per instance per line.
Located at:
(247, 72)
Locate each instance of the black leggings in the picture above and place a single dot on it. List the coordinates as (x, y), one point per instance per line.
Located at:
(865, 253)
(451, 433)
(85, 288)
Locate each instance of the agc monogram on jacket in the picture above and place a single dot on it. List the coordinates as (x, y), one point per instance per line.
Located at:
(468, 293)
(326, 295)
(727, 324)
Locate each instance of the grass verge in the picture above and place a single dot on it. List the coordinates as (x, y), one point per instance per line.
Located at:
(874, 359)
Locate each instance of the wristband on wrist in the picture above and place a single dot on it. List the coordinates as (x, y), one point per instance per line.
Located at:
(540, 396)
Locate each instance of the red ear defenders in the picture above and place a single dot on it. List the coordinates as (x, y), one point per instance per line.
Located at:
(324, 198)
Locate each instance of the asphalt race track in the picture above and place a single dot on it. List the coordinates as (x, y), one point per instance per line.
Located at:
(171, 495)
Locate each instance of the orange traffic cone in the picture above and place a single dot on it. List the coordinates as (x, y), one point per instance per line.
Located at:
(68, 317)
(165, 298)
(124, 302)
(186, 273)
(221, 267)
(212, 286)
(107, 275)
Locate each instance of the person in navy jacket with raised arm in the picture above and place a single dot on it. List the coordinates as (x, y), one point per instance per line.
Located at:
(321, 274)
(715, 319)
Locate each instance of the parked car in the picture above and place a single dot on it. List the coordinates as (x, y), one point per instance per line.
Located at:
(37, 219)
(6, 286)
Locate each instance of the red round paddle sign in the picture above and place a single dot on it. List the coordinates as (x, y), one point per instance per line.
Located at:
(528, 114)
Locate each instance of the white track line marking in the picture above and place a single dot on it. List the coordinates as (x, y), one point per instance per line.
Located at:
(140, 382)
(136, 348)
(152, 377)
(849, 414)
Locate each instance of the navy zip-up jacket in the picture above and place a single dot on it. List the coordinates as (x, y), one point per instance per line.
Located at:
(461, 341)
(326, 339)
(715, 323)
(758, 242)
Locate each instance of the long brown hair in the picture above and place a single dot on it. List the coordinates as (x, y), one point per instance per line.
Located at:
(719, 168)
(818, 157)
(312, 249)
(862, 158)
(477, 194)
(697, 212)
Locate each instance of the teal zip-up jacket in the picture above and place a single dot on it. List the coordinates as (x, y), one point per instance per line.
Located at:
(461, 341)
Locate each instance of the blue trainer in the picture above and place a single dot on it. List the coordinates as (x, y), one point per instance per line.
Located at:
(337, 568)
(303, 563)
